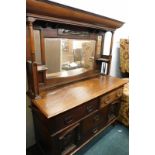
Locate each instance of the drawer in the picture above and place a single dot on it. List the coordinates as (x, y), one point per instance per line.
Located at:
(94, 130)
(69, 117)
(91, 106)
(110, 97)
(100, 117)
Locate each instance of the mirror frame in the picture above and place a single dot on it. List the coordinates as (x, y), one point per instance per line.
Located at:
(48, 32)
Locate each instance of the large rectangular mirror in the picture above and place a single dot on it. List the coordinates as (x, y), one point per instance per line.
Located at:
(68, 57)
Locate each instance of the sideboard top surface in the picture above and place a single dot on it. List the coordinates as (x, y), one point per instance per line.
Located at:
(54, 102)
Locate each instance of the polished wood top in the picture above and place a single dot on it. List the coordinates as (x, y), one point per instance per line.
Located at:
(59, 11)
(54, 102)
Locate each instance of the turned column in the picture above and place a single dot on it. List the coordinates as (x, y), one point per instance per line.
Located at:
(30, 21)
(32, 65)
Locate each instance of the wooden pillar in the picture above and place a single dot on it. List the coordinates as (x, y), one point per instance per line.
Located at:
(31, 65)
(32, 79)
(30, 21)
(35, 80)
(42, 44)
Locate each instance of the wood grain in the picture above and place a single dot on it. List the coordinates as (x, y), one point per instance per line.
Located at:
(64, 12)
(62, 99)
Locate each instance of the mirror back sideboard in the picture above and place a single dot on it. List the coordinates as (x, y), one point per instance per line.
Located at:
(73, 98)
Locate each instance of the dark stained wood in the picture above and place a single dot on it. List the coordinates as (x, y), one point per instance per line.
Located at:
(62, 99)
(31, 34)
(56, 81)
(59, 17)
(93, 136)
(100, 117)
(75, 115)
(67, 118)
(65, 22)
(33, 150)
(103, 60)
(53, 33)
(42, 47)
(32, 79)
(28, 51)
(52, 81)
(52, 9)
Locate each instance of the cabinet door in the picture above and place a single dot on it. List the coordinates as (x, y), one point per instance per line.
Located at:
(67, 140)
(113, 110)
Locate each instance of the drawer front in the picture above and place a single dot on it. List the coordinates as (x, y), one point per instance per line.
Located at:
(100, 117)
(110, 97)
(67, 118)
(91, 106)
(92, 132)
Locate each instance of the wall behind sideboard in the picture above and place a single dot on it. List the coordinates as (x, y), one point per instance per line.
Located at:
(113, 9)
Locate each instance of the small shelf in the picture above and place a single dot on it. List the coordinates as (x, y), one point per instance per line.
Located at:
(41, 68)
(103, 60)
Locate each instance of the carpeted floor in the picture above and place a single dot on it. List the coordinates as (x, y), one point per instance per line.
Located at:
(113, 141)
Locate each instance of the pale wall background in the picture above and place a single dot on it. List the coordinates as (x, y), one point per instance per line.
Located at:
(110, 8)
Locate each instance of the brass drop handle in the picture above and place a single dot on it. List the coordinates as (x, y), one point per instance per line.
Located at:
(96, 118)
(90, 108)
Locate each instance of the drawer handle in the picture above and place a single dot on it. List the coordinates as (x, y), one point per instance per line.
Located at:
(68, 119)
(90, 108)
(95, 130)
(96, 118)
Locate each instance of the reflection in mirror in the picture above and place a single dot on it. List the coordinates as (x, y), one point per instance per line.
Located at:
(107, 42)
(37, 46)
(67, 57)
